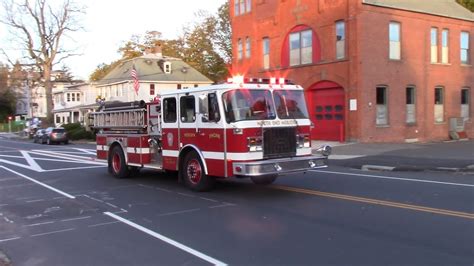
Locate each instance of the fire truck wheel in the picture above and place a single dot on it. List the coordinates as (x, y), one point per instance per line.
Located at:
(264, 180)
(117, 165)
(193, 175)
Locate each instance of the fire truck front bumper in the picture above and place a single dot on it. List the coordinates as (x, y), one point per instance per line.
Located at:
(279, 166)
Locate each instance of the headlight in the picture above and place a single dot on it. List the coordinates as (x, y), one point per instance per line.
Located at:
(303, 141)
(254, 143)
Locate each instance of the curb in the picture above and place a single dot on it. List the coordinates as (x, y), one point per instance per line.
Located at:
(370, 167)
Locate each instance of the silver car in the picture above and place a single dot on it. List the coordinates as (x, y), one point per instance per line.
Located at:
(55, 135)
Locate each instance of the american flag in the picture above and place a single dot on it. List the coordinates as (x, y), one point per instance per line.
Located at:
(136, 84)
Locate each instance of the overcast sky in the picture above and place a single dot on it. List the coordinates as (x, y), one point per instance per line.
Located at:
(108, 23)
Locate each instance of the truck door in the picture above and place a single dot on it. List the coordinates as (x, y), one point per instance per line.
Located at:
(210, 133)
(170, 133)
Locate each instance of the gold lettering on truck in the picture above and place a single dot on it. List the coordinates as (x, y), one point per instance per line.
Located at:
(189, 135)
(214, 136)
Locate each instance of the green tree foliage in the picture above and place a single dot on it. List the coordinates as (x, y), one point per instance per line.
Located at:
(469, 4)
(7, 97)
(3, 77)
(222, 37)
(102, 70)
(206, 46)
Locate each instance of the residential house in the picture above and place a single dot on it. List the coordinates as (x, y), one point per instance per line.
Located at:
(73, 103)
(154, 73)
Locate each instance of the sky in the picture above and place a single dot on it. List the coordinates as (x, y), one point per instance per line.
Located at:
(108, 23)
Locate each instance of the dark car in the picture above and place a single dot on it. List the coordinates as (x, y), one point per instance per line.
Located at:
(55, 135)
(38, 136)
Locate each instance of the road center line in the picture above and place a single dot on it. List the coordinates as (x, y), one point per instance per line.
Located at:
(166, 239)
(395, 178)
(378, 202)
(9, 239)
(54, 232)
(39, 183)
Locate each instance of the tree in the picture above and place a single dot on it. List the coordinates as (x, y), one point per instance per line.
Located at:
(40, 29)
(222, 37)
(200, 51)
(102, 70)
(7, 97)
(135, 47)
(469, 4)
(208, 46)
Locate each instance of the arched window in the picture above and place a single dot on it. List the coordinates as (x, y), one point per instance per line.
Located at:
(301, 47)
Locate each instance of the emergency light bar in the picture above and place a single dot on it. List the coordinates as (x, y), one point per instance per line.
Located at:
(271, 81)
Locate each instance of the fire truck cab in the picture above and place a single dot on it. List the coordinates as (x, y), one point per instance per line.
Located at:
(257, 128)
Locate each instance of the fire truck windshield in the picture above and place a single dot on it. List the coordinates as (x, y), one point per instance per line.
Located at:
(244, 104)
(290, 104)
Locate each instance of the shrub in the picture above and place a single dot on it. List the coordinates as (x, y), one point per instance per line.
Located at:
(72, 126)
(75, 131)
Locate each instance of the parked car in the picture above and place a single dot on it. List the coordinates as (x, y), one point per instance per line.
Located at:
(55, 135)
(38, 136)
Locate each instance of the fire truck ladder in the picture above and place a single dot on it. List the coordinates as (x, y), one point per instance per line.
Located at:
(120, 120)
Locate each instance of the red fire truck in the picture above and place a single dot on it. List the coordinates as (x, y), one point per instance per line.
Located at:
(257, 128)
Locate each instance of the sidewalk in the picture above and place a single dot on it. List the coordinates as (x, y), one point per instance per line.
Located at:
(457, 156)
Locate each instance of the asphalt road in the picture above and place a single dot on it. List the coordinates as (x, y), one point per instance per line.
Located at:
(59, 207)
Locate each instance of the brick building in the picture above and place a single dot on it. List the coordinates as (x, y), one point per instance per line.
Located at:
(373, 70)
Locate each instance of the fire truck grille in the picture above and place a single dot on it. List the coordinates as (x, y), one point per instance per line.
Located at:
(279, 142)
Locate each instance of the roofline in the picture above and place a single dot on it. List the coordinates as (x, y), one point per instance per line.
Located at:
(415, 11)
(157, 82)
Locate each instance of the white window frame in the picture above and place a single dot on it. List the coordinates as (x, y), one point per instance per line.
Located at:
(167, 67)
(434, 45)
(445, 46)
(247, 47)
(394, 35)
(248, 6)
(340, 39)
(266, 52)
(242, 6)
(236, 7)
(239, 49)
(301, 54)
(464, 49)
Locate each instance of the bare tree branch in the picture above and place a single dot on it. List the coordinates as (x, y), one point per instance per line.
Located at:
(41, 27)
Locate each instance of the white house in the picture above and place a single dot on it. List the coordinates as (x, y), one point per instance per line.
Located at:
(155, 73)
(73, 103)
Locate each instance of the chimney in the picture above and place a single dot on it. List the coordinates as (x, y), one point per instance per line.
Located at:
(157, 50)
(148, 50)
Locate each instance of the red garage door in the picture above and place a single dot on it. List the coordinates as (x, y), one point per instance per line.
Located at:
(327, 111)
